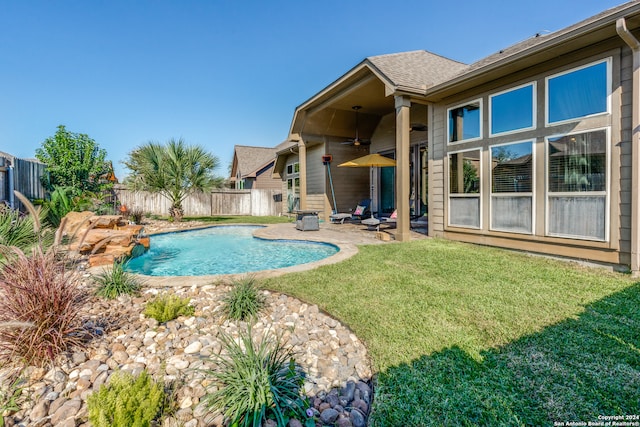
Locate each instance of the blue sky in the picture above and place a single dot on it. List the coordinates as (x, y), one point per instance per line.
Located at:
(219, 73)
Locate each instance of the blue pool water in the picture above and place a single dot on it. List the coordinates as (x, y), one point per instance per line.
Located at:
(223, 250)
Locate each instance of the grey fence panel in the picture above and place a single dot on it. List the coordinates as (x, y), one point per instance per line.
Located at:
(26, 179)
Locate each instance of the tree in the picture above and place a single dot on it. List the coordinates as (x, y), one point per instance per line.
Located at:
(73, 160)
(174, 170)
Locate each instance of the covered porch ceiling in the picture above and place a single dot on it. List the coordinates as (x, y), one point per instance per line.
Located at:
(330, 116)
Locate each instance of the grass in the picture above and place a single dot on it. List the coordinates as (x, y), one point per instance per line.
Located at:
(466, 335)
(115, 281)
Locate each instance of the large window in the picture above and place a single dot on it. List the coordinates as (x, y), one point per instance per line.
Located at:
(465, 122)
(512, 110)
(293, 186)
(577, 185)
(578, 93)
(512, 187)
(464, 189)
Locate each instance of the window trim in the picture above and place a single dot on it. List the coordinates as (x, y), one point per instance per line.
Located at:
(531, 194)
(481, 127)
(606, 193)
(534, 109)
(478, 195)
(608, 61)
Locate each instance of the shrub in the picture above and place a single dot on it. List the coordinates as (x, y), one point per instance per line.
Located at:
(136, 215)
(167, 307)
(115, 281)
(256, 382)
(11, 387)
(244, 300)
(126, 401)
(21, 231)
(40, 306)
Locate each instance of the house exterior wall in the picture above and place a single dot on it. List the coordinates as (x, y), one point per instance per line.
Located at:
(612, 249)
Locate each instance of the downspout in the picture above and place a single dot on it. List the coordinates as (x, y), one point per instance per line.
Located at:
(634, 44)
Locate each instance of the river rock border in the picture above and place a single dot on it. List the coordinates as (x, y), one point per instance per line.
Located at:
(339, 372)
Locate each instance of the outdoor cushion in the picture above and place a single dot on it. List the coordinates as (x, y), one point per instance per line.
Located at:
(359, 210)
(394, 215)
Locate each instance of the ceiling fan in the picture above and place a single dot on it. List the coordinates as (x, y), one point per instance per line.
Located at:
(356, 142)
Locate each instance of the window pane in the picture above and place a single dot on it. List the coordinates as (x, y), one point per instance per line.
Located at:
(464, 122)
(296, 167)
(464, 211)
(512, 110)
(464, 172)
(577, 216)
(512, 168)
(578, 94)
(512, 214)
(578, 162)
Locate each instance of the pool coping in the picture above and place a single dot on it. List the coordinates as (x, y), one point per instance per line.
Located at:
(267, 232)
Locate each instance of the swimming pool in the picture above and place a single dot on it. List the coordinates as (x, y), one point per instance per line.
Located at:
(223, 250)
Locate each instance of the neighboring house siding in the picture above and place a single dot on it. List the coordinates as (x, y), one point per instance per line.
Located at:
(264, 180)
(617, 123)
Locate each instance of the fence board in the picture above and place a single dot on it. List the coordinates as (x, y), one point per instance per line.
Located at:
(254, 202)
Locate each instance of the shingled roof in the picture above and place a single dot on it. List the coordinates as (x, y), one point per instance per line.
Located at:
(251, 159)
(415, 70)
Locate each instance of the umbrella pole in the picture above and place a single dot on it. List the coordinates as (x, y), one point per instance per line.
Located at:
(371, 190)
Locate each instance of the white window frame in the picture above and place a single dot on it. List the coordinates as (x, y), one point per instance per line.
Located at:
(465, 195)
(608, 61)
(463, 104)
(534, 109)
(606, 193)
(530, 194)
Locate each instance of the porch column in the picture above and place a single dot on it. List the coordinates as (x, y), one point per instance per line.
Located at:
(403, 185)
(302, 162)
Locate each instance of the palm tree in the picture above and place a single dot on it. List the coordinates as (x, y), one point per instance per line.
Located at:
(174, 170)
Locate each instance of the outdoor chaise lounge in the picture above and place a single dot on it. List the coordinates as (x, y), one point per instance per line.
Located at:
(361, 210)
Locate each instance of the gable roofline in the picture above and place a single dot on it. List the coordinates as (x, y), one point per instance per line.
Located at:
(599, 27)
(409, 72)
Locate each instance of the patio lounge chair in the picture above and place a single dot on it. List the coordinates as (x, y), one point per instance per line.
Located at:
(361, 211)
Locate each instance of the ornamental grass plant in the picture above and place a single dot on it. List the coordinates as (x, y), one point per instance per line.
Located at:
(40, 306)
(257, 381)
(115, 281)
(244, 300)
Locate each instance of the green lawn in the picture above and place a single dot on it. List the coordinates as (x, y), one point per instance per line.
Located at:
(467, 335)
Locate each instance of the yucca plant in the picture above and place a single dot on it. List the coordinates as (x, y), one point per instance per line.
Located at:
(115, 281)
(256, 381)
(40, 306)
(126, 401)
(244, 300)
(166, 307)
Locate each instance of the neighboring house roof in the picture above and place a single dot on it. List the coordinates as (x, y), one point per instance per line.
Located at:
(250, 160)
(415, 70)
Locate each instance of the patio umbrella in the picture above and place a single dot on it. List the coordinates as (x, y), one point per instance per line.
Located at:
(369, 161)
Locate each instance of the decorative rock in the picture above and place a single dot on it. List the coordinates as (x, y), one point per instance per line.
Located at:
(357, 419)
(194, 347)
(68, 410)
(40, 410)
(344, 422)
(329, 416)
(294, 423)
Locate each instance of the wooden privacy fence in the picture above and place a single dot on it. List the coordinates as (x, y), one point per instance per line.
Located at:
(22, 175)
(218, 202)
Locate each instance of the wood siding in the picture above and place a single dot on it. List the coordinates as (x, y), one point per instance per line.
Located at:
(220, 202)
